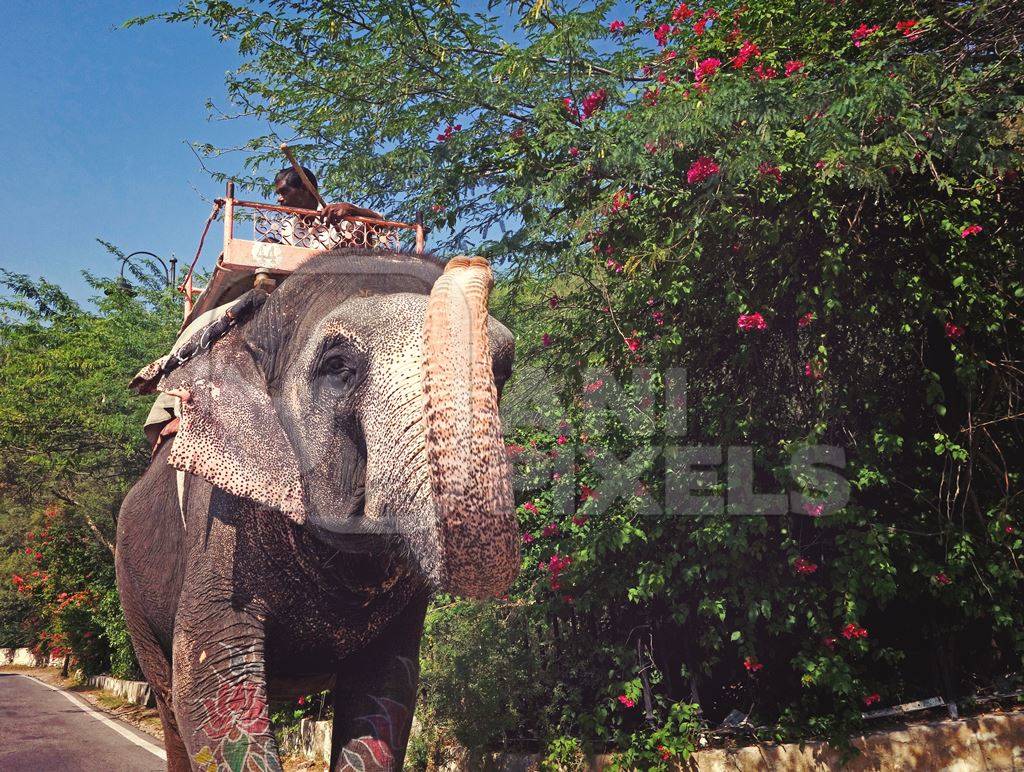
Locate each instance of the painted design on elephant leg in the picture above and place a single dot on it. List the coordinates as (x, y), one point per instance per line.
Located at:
(236, 723)
(368, 754)
(375, 752)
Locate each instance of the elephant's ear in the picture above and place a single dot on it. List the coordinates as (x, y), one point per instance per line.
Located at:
(230, 432)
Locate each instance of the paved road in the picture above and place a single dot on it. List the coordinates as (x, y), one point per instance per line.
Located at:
(41, 730)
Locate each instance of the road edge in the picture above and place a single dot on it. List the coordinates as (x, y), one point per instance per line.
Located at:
(109, 722)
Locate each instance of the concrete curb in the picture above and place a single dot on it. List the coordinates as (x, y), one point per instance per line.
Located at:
(135, 692)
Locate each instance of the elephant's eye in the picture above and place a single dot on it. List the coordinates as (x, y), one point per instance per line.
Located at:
(339, 370)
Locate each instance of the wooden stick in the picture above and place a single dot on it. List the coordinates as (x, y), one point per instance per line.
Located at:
(302, 175)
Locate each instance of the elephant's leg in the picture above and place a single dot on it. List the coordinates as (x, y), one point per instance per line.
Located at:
(220, 688)
(375, 697)
(157, 670)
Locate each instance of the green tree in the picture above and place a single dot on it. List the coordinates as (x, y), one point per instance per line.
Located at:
(70, 447)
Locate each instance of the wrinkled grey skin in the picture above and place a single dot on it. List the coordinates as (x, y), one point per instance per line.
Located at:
(251, 599)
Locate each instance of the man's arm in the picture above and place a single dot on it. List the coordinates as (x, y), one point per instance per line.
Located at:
(343, 209)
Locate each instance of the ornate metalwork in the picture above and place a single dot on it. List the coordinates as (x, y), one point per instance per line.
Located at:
(314, 232)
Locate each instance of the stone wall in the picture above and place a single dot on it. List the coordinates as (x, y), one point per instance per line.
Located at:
(987, 742)
(22, 658)
(311, 739)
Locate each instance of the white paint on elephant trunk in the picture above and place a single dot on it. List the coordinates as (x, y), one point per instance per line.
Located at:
(469, 474)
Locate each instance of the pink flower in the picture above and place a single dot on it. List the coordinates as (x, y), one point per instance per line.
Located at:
(752, 665)
(793, 66)
(658, 317)
(447, 133)
(770, 170)
(853, 630)
(593, 102)
(953, 331)
(551, 529)
(528, 538)
(590, 388)
(863, 32)
(661, 34)
(574, 152)
(587, 493)
(765, 73)
(813, 371)
(701, 169)
(705, 68)
(871, 699)
(579, 520)
(906, 28)
(747, 322)
(621, 200)
(701, 26)
(804, 567)
(805, 320)
(616, 26)
(555, 566)
(633, 342)
(553, 301)
(545, 340)
(562, 439)
(829, 642)
(681, 13)
(530, 507)
(970, 230)
(941, 578)
(236, 705)
(747, 50)
(626, 701)
(302, 701)
(814, 510)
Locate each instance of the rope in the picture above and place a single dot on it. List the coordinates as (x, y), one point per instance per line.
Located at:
(242, 310)
(217, 204)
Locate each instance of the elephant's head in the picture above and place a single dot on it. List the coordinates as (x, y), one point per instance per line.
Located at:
(362, 400)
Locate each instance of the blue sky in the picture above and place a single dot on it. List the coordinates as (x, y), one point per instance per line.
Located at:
(96, 120)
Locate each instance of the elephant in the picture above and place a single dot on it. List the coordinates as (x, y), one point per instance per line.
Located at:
(339, 459)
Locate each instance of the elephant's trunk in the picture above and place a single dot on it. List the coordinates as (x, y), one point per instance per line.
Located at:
(467, 462)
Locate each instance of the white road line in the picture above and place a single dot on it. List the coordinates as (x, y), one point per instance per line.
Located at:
(156, 750)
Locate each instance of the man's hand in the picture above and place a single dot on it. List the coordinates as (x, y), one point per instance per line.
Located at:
(343, 209)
